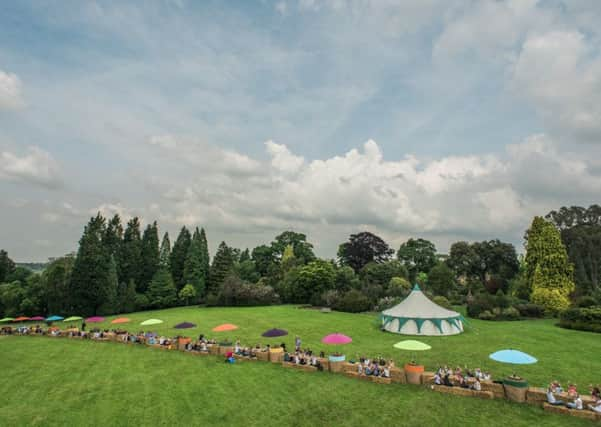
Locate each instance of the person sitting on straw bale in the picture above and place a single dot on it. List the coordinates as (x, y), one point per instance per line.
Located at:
(385, 372)
(572, 392)
(556, 387)
(596, 406)
(437, 378)
(551, 397)
(446, 380)
(237, 349)
(477, 386)
(576, 404)
(359, 369)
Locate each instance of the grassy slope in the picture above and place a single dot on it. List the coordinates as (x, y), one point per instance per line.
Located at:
(563, 354)
(67, 382)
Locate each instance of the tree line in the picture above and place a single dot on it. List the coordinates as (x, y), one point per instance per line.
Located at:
(119, 269)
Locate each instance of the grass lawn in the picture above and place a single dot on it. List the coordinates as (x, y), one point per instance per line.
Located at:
(61, 382)
(563, 354)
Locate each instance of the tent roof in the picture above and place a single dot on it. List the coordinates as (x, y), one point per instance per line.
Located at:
(417, 305)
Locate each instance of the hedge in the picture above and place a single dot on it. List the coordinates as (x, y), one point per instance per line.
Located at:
(584, 319)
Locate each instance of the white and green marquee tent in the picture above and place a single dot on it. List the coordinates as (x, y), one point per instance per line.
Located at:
(417, 315)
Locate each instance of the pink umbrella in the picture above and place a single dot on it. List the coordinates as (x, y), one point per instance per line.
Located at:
(37, 318)
(336, 339)
(95, 319)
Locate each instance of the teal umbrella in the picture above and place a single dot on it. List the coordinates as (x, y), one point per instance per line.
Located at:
(514, 357)
(54, 318)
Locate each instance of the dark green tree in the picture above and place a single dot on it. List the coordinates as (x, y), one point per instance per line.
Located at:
(126, 297)
(130, 260)
(441, 280)
(56, 278)
(363, 248)
(91, 281)
(417, 255)
(162, 292)
(7, 266)
(178, 257)
(150, 255)
(165, 252)
(223, 264)
(303, 250)
(264, 258)
(194, 267)
(204, 249)
(113, 239)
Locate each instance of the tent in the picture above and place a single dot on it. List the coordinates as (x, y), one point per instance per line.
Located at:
(417, 315)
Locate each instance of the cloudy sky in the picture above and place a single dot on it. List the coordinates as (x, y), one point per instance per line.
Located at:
(440, 119)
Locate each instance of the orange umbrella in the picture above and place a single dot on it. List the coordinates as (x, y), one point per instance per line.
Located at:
(21, 319)
(224, 327)
(121, 320)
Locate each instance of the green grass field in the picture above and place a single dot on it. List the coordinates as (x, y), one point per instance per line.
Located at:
(71, 382)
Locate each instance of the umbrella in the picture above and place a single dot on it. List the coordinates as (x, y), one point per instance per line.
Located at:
(150, 322)
(73, 319)
(120, 320)
(225, 327)
(22, 319)
(336, 339)
(184, 325)
(272, 333)
(37, 318)
(514, 357)
(412, 345)
(95, 319)
(6, 319)
(54, 318)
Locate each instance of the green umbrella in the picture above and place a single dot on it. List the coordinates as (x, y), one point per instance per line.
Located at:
(73, 319)
(412, 345)
(6, 319)
(151, 322)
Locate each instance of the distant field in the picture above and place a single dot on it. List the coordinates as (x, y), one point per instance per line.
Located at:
(61, 382)
(563, 354)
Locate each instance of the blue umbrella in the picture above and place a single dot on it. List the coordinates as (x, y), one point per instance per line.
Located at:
(54, 318)
(513, 356)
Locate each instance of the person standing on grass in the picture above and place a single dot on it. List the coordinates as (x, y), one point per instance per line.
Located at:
(297, 343)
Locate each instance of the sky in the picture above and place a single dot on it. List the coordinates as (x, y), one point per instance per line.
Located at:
(442, 119)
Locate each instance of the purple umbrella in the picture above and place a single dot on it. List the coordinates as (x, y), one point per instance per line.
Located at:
(272, 333)
(95, 319)
(184, 325)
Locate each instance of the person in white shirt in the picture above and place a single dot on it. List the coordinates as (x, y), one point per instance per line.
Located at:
(551, 398)
(576, 404)
(477, 386)
(595, 406)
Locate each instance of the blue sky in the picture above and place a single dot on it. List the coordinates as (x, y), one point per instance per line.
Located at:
(445, 120)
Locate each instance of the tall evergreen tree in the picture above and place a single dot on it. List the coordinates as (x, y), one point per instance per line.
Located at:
(194, 267)
(244, 256)
(204, 248)
(161, 292)
(91, 279)
(222, 266)
(130, 260)
(150, 255)
(165, 253)
(7, 266)
(113, 238)
(548, 267)
(178, 257)
(56, 278)
(126, 297)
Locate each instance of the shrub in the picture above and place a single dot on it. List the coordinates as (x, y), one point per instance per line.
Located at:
(530, 310)
(443, 302)
(329, 298)
(511, 313)
(586, 301)
(386, 303)
(486, 315)
(585, 319)
(353, 301)
(552, 299)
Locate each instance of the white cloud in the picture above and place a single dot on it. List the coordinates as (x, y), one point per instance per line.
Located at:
(36, 167)
(282, 159)
(560, 74)
(165, 141)
(11, 97)
(281, 7)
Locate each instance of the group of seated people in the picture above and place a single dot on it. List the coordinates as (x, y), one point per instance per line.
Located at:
(303, 357)
(468, 379)
(573, 397)
(377, 366)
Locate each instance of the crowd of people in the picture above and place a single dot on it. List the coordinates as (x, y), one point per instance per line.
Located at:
(377, 366)
(458, 377)
(573, 398)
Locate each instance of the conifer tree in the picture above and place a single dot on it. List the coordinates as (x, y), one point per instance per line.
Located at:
(222, 266)
(113, 239)
(165, 253)
(161, 292)
(549, 271)
(194, 266)
(126, 297)
(150, 255)
(130, 261)
(178, 257)
(204, 248)
(92, 281)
